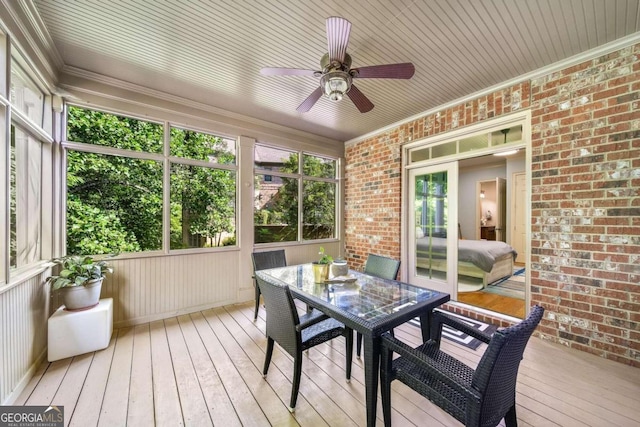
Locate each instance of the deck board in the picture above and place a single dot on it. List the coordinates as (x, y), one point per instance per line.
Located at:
(167, 407)
(115, 402)
(249, 413)
(71, 386)
(205, 368)
(194, 407)
(266, 397)
(50, 382)
(218, 402)
(89, 405)
(141, 386)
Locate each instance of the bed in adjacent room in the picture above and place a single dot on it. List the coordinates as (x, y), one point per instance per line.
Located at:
(488, 260)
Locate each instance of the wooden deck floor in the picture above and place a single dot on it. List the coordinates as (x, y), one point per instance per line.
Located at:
(205, 369)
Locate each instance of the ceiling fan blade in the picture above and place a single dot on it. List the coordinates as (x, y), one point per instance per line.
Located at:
(310, 101)
(287, 72)
(338, 30)
(404, 70)
(360, 101)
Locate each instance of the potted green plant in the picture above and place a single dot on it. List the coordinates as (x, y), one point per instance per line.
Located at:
(321, 267)
(79, 280)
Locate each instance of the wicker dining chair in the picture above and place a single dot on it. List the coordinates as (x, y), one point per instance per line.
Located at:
(295, 333)
(475, 397)
(263, 261)
(383, 267)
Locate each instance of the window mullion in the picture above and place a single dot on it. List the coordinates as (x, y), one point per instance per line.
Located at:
(166, 189)
(300, 198)
(112, 151)
(201, 163)
(261, 171)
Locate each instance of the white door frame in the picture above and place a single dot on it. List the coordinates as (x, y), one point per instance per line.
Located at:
(451, 284)
(523, 118)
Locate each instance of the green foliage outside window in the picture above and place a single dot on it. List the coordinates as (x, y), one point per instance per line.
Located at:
(277, 220)
(115, 202)
(109, 130)
(202, 206)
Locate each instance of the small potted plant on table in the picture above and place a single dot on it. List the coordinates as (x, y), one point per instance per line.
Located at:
(80, 280)
(321, 267)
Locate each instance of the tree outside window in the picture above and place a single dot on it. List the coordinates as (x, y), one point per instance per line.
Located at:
(115, 198)
(277, 206)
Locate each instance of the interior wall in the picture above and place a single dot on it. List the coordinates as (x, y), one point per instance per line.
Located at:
(468, 199)
(585, 233)
(24, 310)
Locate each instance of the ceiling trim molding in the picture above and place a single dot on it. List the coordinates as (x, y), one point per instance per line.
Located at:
(557, 66)
(22, 22)
(237, 121)
(46, 41)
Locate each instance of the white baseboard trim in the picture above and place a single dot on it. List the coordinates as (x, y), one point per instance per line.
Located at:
(159, 316)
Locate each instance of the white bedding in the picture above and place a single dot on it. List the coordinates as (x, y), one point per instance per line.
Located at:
(481, 253)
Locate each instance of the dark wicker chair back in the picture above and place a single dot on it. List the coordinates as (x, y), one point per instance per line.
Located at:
(383, 267)
(263, 261)
(282, 316)
(269, 259)
(496, 374)
(480, 397)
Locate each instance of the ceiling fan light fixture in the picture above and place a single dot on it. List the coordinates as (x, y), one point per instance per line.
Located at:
(335, 84)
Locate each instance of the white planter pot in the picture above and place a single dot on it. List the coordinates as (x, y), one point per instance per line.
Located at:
(339, 268)
(82, 297)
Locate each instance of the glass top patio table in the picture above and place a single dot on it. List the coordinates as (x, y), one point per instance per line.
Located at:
(367, 304)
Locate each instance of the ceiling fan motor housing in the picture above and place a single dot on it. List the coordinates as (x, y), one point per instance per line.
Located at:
(336, 79)
(326, 65)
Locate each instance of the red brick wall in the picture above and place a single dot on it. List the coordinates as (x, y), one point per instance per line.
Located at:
(585, 263)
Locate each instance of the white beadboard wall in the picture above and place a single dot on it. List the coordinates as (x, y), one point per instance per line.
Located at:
(24, 310)
(147, 289)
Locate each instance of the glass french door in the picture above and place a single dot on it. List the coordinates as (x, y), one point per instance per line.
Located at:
(433, 232)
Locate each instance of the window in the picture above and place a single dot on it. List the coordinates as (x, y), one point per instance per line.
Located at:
(29, 149)
(25, 199)
(25, 95)
(115, 170)
(203, 197)
(478, 143)
(319, 198)
(282, 181)
(114, 204)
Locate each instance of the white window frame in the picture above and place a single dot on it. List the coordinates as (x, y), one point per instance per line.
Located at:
(163, 157)
(301, 178)
(42, 132)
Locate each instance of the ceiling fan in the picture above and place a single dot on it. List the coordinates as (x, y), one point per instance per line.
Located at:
(336, 76)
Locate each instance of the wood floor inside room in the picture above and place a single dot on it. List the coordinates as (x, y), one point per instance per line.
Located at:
(205, 369)
(499, 303)
(514, 307)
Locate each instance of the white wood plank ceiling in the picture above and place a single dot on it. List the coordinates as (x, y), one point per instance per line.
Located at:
(212, 51)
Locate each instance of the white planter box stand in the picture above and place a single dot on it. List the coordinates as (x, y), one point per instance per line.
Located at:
(76, 332)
